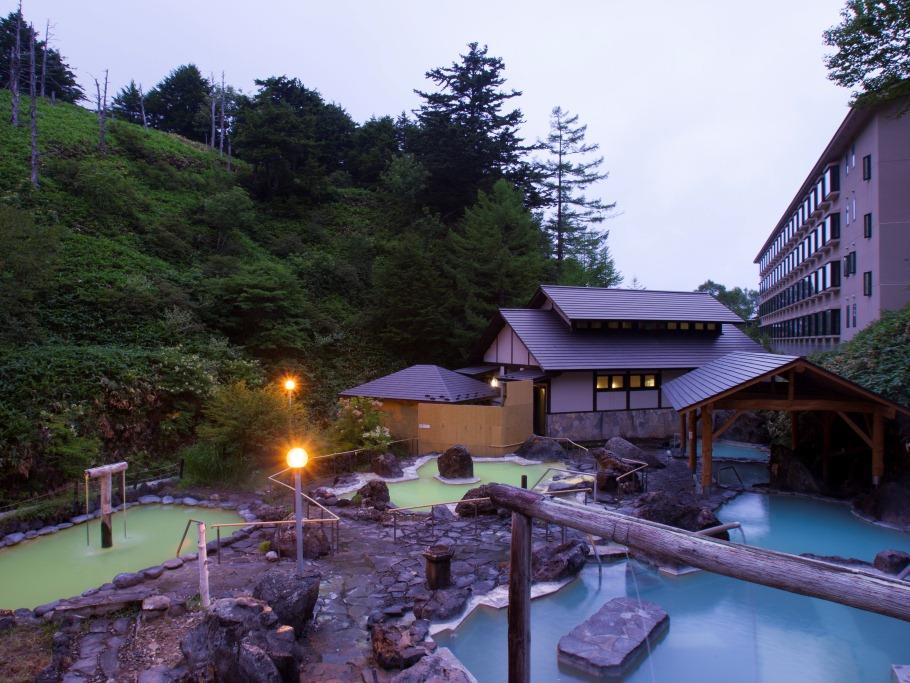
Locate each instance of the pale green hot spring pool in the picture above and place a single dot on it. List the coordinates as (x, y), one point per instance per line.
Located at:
(721, 630)
(61, 565)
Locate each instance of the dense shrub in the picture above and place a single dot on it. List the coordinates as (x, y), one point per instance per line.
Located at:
(359, 425)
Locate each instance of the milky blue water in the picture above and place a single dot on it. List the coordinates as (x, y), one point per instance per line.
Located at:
(721, 629)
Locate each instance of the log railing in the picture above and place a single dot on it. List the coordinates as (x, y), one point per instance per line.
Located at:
(804, 576)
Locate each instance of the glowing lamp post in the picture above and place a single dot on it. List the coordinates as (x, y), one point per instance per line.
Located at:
(297, 460)
(290, 386)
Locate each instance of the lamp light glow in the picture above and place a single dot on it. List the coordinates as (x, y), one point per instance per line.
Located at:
(297, 458)
(494, 383)
(290, 384)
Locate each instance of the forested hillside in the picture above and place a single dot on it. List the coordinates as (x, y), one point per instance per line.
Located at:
(147, 272)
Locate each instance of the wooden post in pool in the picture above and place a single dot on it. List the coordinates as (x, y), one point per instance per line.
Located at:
(104, 474)
(707, 447)
(693, 440)
(520, 600)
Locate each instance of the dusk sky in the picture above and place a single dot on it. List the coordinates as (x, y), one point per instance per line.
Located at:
(709, 114)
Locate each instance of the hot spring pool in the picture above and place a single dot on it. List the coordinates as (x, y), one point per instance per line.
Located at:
(61, 565)
(428, 489)
(721, 629)
(727, 450)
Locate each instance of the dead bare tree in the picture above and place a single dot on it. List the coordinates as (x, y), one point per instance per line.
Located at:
(101, 102)
(47, 37)
(145, 122)
(212, 98)
(33, 105)
(15, 53)
(221, 125)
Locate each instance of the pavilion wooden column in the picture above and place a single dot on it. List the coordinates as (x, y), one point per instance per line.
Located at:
(707, 446)
(693, 440)
(520, 600)
(827, 419)
(794, 430)
(878, 447)
(682, 434)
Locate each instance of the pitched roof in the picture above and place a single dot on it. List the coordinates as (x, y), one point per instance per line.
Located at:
(556, 347)
(425, 383)
(601, 303)
(721, 375)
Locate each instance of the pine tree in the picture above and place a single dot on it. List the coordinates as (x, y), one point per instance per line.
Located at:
(464, 138)
(592, 264)
(179, 103)
(127, 104)
(496, 259)
(566, 174)
(57, 78)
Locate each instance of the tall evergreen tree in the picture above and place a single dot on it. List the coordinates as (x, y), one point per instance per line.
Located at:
(591, 264)
(465, 139)
(496, 259)
(127, 104)
(873, 50)
(174, 105)
(59, 77)
(567, 171)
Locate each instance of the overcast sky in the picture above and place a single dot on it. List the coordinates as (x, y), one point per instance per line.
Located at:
(708, 114)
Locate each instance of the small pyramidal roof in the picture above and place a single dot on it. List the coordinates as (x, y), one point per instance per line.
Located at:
(425, 383)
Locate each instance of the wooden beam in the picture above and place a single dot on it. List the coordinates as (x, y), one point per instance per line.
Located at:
(855, 428)
(107, 529)
(845, 585)
(827, 419)
(878, 448)
(794, 430)
(727, 424)
(707, 447)
(683, 441)
(791, 386)
(805, 404)
(693, 440)
(520, 600)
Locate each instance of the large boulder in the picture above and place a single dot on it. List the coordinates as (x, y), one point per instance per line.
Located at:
(397, 646)
(625, 449)
(674, 509)
(315, 542)
(440, 667)
(456, 463)
(374, 494)
(790, 473)
(556, 561)
(441, 604)
(889, 503)
(483, 507)
(749, 427)
(611, 641)
(386, 465)
(541, 448)
(610, 468)
(241, 639)
(891, 561)
(291, 597)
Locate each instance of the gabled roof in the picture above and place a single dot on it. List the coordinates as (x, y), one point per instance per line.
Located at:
(721, 375)
(557, 347)
(425, 383)
(601, 303)
(476, 370)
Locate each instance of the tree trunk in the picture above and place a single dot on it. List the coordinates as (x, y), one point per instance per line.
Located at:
(15, 53)
(47, 37)
(102, 112)
(212, 98)
(145, 123)
(221, 126)
(33, 107)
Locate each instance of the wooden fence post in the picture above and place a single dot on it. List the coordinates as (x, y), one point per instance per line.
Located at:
(520, 600)
(203, 560)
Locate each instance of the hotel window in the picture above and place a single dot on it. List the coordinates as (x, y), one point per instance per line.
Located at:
(867, 167)
(867, 283)
(867, 225)
(852, 156)
(611, 382)
(850, 263)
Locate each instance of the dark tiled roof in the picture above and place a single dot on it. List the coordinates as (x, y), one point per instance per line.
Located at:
(427, 383)
(556, 347)
(599, 303)
(720, 376)
(474, 370)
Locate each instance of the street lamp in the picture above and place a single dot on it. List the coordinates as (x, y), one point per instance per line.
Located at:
(297, 460)
(290, 386)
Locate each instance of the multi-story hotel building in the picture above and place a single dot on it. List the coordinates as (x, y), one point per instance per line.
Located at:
(840, 255)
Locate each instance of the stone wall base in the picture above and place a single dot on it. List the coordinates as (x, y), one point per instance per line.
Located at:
(657, 423)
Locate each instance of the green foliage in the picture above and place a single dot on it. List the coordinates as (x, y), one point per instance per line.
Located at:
(60, 79)
(873, 50)
(178, 104)
(264, 547)
(206, 464)
(359, 425)
(878, 358)
(127, 104)
(743, 302)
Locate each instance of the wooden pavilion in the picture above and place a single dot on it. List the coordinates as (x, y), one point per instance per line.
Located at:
(765, 381)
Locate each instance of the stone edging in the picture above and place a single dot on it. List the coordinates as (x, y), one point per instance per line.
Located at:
(131, 579)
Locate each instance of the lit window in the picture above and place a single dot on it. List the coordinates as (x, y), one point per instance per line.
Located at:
(603, 381)
(617, 381)
(596, 324)
(712, 326)
(684, 326)
(635, 381)
(613, 324)
(699, 326)
(672, 326)
(650, 381)
(626, 325)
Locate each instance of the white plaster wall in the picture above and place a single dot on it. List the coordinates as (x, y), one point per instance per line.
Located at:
(642, 399)
(572, 392)
(611, 400)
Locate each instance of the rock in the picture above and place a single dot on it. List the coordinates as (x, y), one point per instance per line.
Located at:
(13, 539)
(483, 507)
(41, 610)
(610, 642)
(625, 449)
(271, 556)
(188, 500)
(172, 563)
(552, 562)
(398, 646)
(441, 604)
(127, 580)
(239, 639)
(167, 500)
(442, 513)
(456, 463)
(291, 597)
(374, 494)
(889, 503)
(557, 486)
(440, 667)
(148, 500)
(386, 465)
(891, 561)
(155, 603)
(268, 513)
(541, 448)
(610, 468)
(164, 674)
(683, 511)
(315, 542)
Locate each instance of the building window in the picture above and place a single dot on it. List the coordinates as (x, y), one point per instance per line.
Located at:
(850, 264)
(867, 225)
(867, 167)
(611, 382)
(867, 283)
